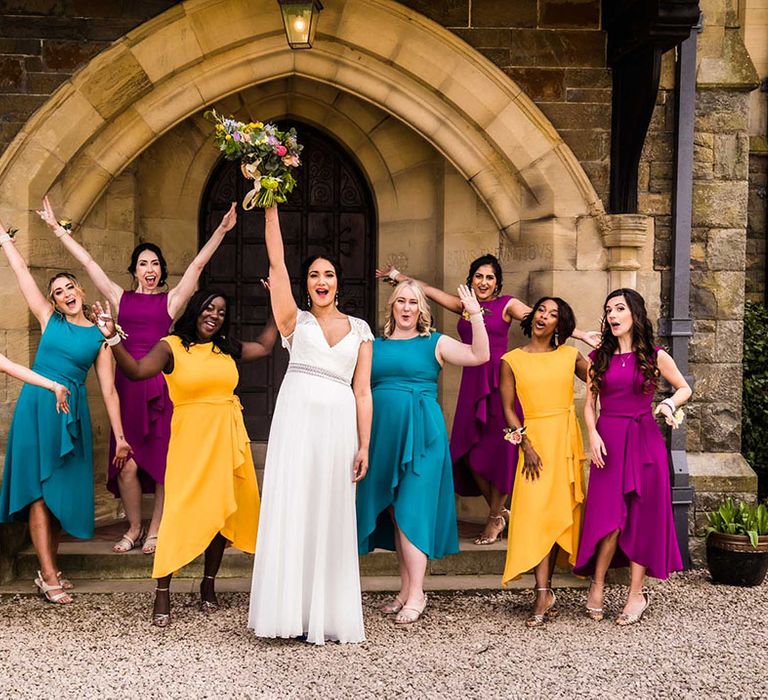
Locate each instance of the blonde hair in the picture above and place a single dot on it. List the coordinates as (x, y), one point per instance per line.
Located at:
(78, 287)
(424, 320)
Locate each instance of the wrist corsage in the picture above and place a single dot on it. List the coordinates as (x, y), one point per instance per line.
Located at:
(514, 435)
(466, 315)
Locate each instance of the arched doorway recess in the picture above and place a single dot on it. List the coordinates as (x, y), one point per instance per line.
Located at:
(330, 211)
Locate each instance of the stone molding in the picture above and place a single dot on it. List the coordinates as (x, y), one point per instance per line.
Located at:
(624, 236)
(201, 51)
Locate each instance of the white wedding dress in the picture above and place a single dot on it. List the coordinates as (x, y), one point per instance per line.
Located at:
(306, 579)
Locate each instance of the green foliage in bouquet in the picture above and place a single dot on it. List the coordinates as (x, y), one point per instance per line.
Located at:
(267, 156)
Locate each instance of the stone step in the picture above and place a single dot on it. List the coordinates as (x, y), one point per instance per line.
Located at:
(24, 586)
(94, 559)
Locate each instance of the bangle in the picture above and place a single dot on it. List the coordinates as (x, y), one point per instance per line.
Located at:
(477, 316)
(392, 274)
(670, 403)
(60, 231)
(4, 238)
(113, 340)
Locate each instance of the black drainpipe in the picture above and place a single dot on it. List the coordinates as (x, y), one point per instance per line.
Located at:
(679, 326)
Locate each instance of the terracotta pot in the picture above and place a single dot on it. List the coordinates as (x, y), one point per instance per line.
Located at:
(732, 560)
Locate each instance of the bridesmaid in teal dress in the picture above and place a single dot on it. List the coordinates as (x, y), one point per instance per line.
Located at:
(406, 502)
(48, 473)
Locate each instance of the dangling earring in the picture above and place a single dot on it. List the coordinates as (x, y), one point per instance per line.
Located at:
(557, 339)
(336, 299)
(309, 301)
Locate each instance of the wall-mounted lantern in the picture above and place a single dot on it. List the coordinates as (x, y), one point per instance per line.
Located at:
(300, 21)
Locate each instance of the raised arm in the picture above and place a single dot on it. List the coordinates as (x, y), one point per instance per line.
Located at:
(158, 359)
(106, 378)
(361, 386)
(447, 301)
(262, 346)
(106, 286)
(516, 310)
(457, 353)
(28, 376)
(284, 307)
(183, 291)
(37, 303)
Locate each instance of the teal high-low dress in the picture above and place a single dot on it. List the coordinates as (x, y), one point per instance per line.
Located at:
(410, 468)
(49, 455)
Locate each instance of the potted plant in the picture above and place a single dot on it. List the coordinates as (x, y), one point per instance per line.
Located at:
(737, 543)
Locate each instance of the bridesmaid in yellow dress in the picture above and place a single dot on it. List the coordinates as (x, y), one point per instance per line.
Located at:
(549, 491)
(211, 494)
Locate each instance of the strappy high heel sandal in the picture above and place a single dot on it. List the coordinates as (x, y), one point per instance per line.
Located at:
(499, 518)
(162, 619)
(595, 614)
(45, 591)
(208, 606)
(538, 619)
(392, 607)
(65, 583)
(626, 619)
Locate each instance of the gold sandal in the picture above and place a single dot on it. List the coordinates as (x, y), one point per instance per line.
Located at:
(595, 614)
(504, 522)
(404, 618)
(626, 619)
(538, 619)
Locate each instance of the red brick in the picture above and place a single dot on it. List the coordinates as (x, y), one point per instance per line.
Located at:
(503, 13)
(569, 13)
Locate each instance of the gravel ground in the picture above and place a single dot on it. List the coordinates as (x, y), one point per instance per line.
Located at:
(697, 640)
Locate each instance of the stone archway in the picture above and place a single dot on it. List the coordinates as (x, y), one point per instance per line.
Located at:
(203, 50)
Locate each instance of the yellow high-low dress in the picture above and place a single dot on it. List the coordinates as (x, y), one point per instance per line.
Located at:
(548, 510)
(210, 481)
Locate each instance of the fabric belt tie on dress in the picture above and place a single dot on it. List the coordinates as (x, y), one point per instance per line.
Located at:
(240, 434)
(69, 423)
(422, 430)
(574, 440)
(636, 453)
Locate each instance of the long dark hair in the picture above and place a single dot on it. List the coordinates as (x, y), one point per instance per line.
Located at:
(186, 326)
(566, 321)
(643, 344)
(491, 260)
(138, 250)
(306, 264)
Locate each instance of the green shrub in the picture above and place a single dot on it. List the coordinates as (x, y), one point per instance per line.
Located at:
(754, 421)
(741, 519)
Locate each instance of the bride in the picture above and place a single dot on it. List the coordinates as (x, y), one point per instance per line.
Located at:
(306, 581)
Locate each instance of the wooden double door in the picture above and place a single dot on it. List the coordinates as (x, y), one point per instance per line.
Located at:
(330, 211)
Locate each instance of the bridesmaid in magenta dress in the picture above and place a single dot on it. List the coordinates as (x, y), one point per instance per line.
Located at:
(628, 517)
(483, 462)
(145, 315)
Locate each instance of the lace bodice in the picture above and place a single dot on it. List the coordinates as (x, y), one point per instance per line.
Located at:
(310, 350)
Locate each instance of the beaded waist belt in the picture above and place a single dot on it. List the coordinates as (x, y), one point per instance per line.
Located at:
(316, 372)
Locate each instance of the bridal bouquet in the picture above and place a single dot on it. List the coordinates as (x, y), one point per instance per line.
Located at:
(267, 156)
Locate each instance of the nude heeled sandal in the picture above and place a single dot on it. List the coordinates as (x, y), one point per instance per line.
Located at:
(538, 619)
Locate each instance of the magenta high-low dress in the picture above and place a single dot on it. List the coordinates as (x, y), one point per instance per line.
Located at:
(631, 492)
(145, 406)
(477, 438)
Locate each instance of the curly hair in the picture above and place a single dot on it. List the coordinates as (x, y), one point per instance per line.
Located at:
(186, 327)
(566, 321)
(491, 260)
(643, 343)
(424, 321)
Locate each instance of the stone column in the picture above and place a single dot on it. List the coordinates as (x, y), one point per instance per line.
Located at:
(624, 235)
